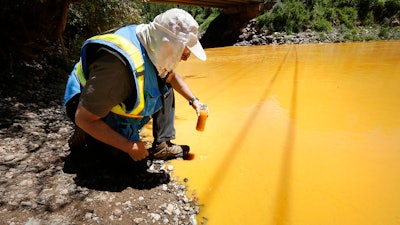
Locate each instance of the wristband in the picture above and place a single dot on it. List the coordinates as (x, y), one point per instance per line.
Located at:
(192, 100)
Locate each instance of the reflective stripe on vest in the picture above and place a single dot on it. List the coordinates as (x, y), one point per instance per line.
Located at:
(136, 57)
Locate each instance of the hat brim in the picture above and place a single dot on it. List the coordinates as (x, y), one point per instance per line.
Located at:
(198, 51)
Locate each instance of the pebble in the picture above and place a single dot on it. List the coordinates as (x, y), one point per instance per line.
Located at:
(117, 212)
(89, 215)
(32, 221)
(154, 217)
(193, 219)
(139, 220)
(127, 203)
(169, 209)
(26, 182)
(8, 158)
(170, 167)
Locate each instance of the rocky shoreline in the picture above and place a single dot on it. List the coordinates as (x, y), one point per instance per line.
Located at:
(252, 35)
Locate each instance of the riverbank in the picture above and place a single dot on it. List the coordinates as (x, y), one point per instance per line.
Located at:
(44, 182)
(252, 35)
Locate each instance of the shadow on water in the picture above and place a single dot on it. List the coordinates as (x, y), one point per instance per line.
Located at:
(233, 152)
(282, 205)
(96, 167)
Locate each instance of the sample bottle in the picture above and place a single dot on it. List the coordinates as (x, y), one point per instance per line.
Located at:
(201, 120)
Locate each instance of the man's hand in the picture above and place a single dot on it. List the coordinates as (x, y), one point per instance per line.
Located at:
(197, 105)
(97, 128)
(138, 151)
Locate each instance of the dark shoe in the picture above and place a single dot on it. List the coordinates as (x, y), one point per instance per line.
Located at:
(78, 139)
(167, 150)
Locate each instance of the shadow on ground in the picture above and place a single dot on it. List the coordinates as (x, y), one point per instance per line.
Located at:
(105, 170)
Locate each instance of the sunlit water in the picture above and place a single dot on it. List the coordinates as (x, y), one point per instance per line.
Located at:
(298, 134)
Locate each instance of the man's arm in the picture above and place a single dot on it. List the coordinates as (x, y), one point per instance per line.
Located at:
(183, 89)
(97, 128)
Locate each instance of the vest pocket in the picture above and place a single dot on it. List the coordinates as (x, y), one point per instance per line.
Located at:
(128, 127)
(152, 102)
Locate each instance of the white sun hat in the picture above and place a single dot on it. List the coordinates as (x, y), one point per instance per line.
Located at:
(181, 25)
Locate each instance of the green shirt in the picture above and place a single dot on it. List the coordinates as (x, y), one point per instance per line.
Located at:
(110, 83)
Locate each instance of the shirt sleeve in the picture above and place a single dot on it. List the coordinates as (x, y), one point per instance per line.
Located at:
(110, 83)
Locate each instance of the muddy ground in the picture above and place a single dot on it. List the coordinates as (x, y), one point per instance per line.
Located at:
(43, 181)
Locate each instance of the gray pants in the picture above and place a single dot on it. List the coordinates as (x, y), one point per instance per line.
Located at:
(163, 120)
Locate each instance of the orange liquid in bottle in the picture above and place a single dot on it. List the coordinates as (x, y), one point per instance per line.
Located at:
(201, 120)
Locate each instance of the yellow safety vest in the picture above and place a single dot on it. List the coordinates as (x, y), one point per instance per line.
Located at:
(135, 58)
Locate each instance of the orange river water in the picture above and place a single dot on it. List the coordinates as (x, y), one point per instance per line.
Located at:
(297, 134)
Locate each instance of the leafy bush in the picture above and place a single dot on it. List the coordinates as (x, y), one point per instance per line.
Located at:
(322, 25)
(384, 33)
(149, 11)
(290, 17)
(380, 9)
(345, 3)
(348, 16)
(395, 33)
(323, 15)
(369, 19)
(90, 17)
(320, 14)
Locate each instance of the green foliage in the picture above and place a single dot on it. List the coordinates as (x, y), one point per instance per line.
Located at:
(91, 17)
(362, 34)
(289, 17)
(348, 16)
(345, 3)
(395, 33)
(324, 15)
(321, 14)
(369, 19)
(322, 25)
(380, 10)
(201, 14)
(384, 33)
(149, 11)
